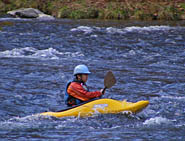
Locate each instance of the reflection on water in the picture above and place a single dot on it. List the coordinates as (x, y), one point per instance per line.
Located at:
(37, 59)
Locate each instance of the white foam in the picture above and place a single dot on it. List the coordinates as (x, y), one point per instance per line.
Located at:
(180, 98)
(85, 29)
(132, 52)
(137, 29)
(22, 123)
(94, 36)
(157, 121)
(29, 52)
(14, 19)
(28, 118)
(114, 30)
(147, 28)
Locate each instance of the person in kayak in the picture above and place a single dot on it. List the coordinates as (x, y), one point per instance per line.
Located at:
(76, 91)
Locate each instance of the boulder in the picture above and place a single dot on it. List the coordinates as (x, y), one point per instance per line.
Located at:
(29, 13)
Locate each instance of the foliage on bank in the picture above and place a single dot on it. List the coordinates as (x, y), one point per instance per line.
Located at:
(103, 9)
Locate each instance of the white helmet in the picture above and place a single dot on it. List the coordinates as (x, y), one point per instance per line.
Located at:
(81, 69)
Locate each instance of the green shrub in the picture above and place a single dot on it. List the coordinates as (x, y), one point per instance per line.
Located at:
(169, 13)
(80, 9)
(63, 12)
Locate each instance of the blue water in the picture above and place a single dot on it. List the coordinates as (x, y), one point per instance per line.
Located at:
(37, 59)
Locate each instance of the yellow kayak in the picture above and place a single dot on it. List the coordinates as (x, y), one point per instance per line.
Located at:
(103, 106)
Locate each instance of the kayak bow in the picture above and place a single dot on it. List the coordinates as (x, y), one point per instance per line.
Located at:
(103, 106)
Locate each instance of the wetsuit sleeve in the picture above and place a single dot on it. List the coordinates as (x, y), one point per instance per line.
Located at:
(77, 91)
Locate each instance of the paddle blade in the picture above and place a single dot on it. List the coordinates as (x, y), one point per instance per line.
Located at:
(109, 80)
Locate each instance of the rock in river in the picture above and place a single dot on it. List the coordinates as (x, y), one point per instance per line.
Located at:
(29, 13)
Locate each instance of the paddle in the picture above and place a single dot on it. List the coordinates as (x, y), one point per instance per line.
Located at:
(109, 81)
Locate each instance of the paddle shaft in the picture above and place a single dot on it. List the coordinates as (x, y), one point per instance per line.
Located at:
(104, 90)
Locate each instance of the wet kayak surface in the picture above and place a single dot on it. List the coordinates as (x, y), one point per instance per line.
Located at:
(37, 59)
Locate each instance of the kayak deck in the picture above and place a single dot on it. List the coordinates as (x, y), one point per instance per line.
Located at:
(103, 106)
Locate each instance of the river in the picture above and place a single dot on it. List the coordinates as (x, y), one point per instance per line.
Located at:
(37, 59)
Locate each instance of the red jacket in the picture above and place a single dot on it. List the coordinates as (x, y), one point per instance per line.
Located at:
(76, 90)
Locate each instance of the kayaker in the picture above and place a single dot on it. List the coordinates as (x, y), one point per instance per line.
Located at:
(77, 91)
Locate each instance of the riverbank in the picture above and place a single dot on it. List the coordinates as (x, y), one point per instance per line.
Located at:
(103, 9)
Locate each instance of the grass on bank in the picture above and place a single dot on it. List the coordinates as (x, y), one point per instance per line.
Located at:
(103, 9)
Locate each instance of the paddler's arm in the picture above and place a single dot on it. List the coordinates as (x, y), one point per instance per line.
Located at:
(77, 89)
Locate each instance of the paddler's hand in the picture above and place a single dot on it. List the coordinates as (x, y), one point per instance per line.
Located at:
(101, 91)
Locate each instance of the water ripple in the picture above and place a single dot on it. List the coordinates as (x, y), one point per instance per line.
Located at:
(37, 58)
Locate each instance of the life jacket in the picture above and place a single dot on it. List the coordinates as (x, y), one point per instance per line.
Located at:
(70, 100)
